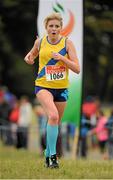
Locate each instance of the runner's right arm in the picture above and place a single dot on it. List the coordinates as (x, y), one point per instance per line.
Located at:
(33, 53)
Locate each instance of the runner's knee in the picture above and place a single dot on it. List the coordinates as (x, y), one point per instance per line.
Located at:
(53, 117)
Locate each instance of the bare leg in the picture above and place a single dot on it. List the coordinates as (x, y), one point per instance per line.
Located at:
(60, 107)
(54, 112)
(46, 100)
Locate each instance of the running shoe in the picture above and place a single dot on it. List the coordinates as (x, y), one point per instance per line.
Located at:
(53, 162)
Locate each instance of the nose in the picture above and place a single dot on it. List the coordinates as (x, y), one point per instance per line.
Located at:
(54, 28)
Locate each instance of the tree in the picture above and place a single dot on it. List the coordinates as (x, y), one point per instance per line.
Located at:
(17, 34)
(98, 45)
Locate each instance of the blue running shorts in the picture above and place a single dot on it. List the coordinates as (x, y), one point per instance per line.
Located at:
(59, 95)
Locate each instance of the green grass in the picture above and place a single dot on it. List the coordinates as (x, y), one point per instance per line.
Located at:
(23, 164)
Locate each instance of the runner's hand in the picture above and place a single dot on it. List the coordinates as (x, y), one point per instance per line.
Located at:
(29, 59)
(57, 56)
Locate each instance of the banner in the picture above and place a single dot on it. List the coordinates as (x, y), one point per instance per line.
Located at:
(72, 13)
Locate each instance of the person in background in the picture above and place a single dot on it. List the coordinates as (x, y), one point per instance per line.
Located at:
(57, 55)
(101, 132)
(25, 118)
(42, 122)
(13, 118)
(5, 131)
(90, 107)
(109, 126)
(84, 129)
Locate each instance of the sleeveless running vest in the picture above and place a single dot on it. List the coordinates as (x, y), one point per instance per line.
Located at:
(52, 73)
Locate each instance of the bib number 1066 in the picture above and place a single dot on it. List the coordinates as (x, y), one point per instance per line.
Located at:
(56, 76)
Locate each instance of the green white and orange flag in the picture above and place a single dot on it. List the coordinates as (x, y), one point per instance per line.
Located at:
(72, 13)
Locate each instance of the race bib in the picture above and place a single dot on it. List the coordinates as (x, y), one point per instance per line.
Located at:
(55, 73)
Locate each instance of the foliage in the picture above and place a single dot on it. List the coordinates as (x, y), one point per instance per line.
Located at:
(18, 32)
(98, 45)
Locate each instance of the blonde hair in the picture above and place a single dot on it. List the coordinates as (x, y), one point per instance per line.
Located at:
(53, 16)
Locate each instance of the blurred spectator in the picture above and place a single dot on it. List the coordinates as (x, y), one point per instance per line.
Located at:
(90, 106)
(65, 137)
(8, 96)
(109, 126)
(4, 119)
(25, 118)
(14, 117)
(84, 128)
(42, 121)
(101, 131)
(59, 148)
(70, 135)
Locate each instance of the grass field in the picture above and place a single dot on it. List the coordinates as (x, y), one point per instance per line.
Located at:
(23, 164)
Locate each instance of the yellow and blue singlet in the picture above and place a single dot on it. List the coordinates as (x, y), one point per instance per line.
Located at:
(52, 73)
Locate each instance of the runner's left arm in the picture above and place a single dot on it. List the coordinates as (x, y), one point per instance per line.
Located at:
(71, 62)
